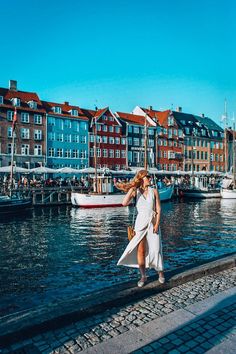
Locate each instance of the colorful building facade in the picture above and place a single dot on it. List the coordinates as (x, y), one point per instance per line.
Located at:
(67, 136)
(30, 132)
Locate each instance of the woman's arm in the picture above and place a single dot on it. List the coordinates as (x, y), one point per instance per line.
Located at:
(131, 194)
(158, 211)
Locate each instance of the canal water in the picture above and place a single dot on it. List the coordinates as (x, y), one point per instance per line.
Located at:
(52, 254)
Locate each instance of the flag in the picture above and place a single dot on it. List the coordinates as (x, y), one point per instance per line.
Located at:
(14, 120)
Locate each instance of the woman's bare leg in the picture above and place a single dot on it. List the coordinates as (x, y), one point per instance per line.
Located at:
(141, 252)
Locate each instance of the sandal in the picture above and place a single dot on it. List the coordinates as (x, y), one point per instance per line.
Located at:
(161, 280)
(142, 282)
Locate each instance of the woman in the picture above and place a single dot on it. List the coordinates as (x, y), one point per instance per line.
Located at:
(144, 250)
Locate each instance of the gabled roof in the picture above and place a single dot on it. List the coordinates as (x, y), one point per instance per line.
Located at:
(184, 117)
(159, 116)
(96, 114)
(131, 118)
(65, 109)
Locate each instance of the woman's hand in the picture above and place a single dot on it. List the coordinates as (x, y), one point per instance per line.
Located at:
(155, 228)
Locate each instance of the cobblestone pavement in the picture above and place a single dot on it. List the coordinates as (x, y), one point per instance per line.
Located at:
(96, 329)
(197, 337)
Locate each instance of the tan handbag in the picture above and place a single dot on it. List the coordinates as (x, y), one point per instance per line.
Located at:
(131, 232)
(130, 228)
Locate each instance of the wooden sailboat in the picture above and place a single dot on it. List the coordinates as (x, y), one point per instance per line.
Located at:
(102, 194)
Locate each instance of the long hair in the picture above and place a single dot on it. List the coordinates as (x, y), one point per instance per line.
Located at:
(135, 182)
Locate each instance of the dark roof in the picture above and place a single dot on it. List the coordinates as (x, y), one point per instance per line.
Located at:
(209, 123)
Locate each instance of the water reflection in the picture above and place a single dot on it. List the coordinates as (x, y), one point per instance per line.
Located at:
(56, 253)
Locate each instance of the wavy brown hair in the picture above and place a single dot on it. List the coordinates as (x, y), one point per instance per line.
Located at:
(135, 182)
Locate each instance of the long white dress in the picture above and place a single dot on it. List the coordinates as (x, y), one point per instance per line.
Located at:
(144, 227)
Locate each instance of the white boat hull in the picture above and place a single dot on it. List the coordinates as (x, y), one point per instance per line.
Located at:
(228, 193)
(110, 200)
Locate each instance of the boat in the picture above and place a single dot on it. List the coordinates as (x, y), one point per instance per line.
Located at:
(166, 192)
(14, 204)
(200, 189)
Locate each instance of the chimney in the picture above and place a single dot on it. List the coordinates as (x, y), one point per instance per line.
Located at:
(150, 108)
(179, 109)
(13, 85)
(203, 115)
(66, 103)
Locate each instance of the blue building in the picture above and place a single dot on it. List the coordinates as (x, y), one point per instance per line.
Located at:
(67, 136)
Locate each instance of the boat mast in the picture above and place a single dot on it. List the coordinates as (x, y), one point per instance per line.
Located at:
(225, 119)
(234, 153)
(13, 150)
(145, 143)
(95, 154)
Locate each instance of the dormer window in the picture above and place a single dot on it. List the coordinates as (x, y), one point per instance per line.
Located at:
(32, 104)
(56, 109)
(170, 121)
(1, 99)
(74, 112)
(16, 102)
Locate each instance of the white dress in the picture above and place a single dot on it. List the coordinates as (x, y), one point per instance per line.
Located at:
(144, 227)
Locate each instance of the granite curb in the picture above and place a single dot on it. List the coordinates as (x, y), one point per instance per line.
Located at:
(27, 323)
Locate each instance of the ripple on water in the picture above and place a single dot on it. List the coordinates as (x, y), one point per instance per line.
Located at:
(58, 253)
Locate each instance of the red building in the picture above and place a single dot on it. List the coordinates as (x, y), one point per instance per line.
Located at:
(111, 140)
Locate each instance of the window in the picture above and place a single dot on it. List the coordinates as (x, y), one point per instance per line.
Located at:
(123, 142)
(104, 117)
(117, 153)
(130, 129)
(123, 154)
(1, 99)
(82, 154)
(83, 125)
(104, 139)
(37, 150)
(91, 138)
(37, 134)
(104, 128)
(111, 153)
(51, 152)
(59, 152)
(56, 109)
(164, 142)
(25, 133)
(67, 153)
(117, 141)
(24, 149)
(151, 131)
(25, 117)
(51, 121)
(180, 133)
(10, 115)
(187, 130)
(175, 132)
(98, 152)
(67, 138)
(83, 139)
(117, 129)
(111, 129)
(136, 130)
(9, 132)
(75, 153)
(111, 140)
(74, 112)
(91, 152)
(136, 141)
(170, 121)
(32, 104)
(75, 138)
(111, 119)
(59, 137)
(9, 148)
(67, 123)
(37, 119)
(150, 142)
(16, 101)
(99, 128)
(51, 136)
(104, 153)
(170, 143)
(130, 141)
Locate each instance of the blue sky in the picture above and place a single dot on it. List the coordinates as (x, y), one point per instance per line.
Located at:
(123, 53)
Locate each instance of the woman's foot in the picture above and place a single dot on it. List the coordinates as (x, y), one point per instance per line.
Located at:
(142, 282)
(161, 278)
